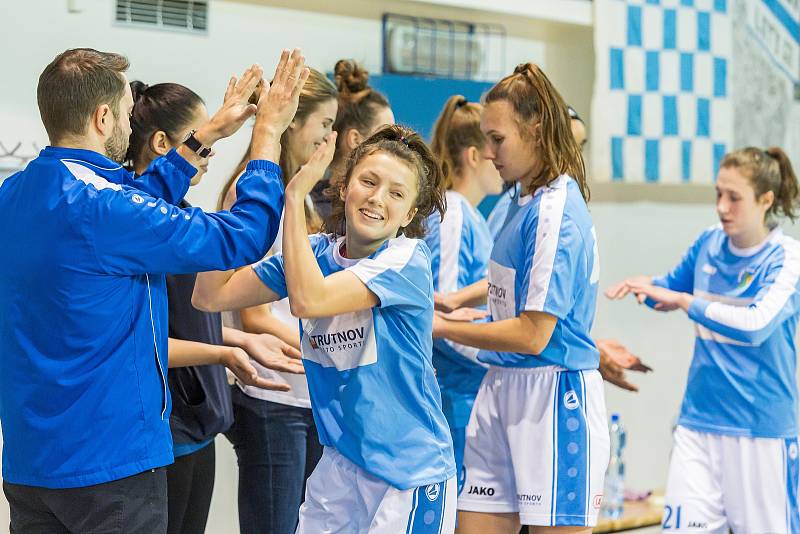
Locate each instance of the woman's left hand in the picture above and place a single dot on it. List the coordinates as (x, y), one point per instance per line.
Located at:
(312, 172)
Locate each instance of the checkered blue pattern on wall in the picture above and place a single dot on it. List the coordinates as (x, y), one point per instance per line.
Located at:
(662, 108)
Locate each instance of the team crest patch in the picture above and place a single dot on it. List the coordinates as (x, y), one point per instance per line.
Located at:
(571, 401)
(745, 279)
(432, 492)
(793, 451)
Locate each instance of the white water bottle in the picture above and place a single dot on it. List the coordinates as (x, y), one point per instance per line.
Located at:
(614, 497)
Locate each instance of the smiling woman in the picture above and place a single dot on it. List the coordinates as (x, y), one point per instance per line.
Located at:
(364, 294)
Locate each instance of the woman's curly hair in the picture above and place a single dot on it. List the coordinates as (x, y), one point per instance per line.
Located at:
(406, 145)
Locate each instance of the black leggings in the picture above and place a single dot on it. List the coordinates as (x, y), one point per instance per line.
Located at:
(190, 483)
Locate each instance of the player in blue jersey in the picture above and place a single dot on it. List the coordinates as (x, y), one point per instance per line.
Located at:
(537, 440)
(460, 244)
(734, 461)
(364, 294)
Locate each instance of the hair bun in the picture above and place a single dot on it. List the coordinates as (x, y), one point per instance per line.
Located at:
(138, 89)
(350, 77)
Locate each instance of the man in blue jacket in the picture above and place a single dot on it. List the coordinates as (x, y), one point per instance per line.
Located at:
(84, 402)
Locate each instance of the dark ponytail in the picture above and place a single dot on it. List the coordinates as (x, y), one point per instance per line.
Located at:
(166, 107)
(537, 102)
(457, 128)
(768, 170)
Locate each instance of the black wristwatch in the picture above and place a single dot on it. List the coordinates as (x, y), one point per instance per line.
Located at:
(196, 146)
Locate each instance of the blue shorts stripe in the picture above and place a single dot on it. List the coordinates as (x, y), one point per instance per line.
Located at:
(429, 509)
(790, 455)
(554, 471)
(572, 467)
(444, 504)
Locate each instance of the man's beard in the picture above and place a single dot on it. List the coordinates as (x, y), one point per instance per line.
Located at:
(117, 146)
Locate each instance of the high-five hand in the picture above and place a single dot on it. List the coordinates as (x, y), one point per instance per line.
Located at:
(278, 104)
(309, 174)
(235, 108)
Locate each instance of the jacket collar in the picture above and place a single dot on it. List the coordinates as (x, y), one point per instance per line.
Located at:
(97, 162)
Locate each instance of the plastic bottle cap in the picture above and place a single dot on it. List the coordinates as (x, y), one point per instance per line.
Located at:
(614, 417)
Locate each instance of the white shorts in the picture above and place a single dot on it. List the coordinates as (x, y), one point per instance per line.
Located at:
(537, 444)
(719, 482)
(343, 498)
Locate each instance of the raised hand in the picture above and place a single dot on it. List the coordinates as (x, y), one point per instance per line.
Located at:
(236, 108)
(277, 105)
(278, 102)
(312, 172)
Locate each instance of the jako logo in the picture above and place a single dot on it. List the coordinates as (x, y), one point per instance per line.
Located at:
(793, 451)
(597, 501)
(571, 400)
(432, 492)
(480, 490)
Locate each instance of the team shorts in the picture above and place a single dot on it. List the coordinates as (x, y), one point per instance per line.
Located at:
(537, 445)
(343, 498)
(719, 482)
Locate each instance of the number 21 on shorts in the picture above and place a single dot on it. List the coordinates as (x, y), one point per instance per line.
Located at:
(668, 515)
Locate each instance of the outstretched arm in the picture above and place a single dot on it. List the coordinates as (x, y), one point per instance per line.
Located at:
(527, 334)
(183, 353)
(230, 290)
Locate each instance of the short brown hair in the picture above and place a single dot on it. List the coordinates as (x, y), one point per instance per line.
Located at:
(74, 84)
(535, 100)
(406, 145)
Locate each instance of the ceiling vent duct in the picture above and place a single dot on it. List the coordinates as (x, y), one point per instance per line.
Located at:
(444, 48)
(175, 15)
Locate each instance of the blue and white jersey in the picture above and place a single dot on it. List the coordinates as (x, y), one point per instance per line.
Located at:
(373, 391)
(742, 377)
(545, 259)
(460, 246)
(499, 215)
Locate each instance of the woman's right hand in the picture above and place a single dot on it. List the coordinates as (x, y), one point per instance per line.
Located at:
(235, 108)
(622, 289)
(277, 103)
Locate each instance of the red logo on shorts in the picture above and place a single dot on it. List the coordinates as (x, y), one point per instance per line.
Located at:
(597, 501)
